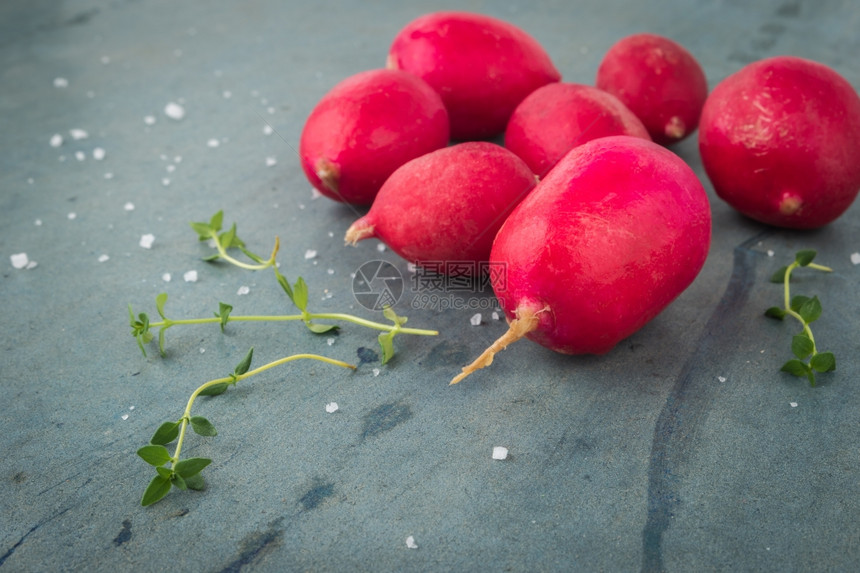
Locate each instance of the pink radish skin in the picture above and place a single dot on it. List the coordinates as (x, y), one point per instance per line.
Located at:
(446, 206)
(613, 234)
(659, 80)
(779, 141)
(367, 126)
(481, 66)
(554, 119)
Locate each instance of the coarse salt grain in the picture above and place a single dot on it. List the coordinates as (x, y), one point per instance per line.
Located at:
(72, 216)
(128, 206)
(310, 254)
(410, 543)
(108, 175)
(166, 277)
(770, 253)
(243, 290)
(20, 260)
(174, 111)
(476, 319)
(78, 134)
(124, 416)
(267, 130)
(98, 153)
(147, 240)
(103, 258)
(213, 142)
(56, 140)
(149, 119)
(170, 168)
(793, 404)
(500, 453)
(80, 155)
(271, 161)
(227, 94)
(330, 341)
(331, 407)
(165, 181)
(495, 315)
(721, 378)
(61, 83)
(855, 258)
(380, 247)
(190, 276)
(375, 371)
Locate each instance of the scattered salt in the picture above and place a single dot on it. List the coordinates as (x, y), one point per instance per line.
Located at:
(165, 181)
(411, 267)
(78, 134)
(331, 407)
(103, 258)
(128, 206)
(56, 140)
(330, 271)
(793, 404)
(500, 453)
(315, 193)
(149, 120)
(170, 168)
(410, 543)
(108, 175)
(375, 371)
(213, 142)
(166, 277)
(227, 94)
(177, 159)
(20, 260)
(30, 180)
(174, 111)
(202, 351)
(72, 216)
(147, 240)
(380, 247)
(38, 222)
(98, 153)
(855, 258)
(243, 290)
(61, 83)
(331, 234)
(476, 319)
(267, 130)
(721, 378)
(330, 341)
(770, 253)
(495, 315)
(270, 109)
(270, 161)
(80, 155)
(131, 407)
(190, 276)
(124, 416)
(310, 254)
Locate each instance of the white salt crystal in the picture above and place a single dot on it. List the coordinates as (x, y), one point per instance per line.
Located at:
(270, 110)
(165, 181)
(170, 168)
(270, 161)
(243, 290)
(38, 222)
(108, 175)
(331, 234)
(72, 216)
(147, 240)
(61, 83)
(331, 407)
(721, 378)
(174, 111)
(476, 319)
(98, 153)
(410, 543)
(177, 159)
(411, 267)
(103, 258)
(330, 341)
(30, 180)
(124, 416)
(500, 453)
(330, 271)
(202, 351)
(495, 315)
(310, 254)
(770, 253)
(227, 94)
(56, 140)
(166, 277)
(190, 276)
(131, 407)
(20, 260)
(855, 258)
(380, 247)
(315, 193)
(267, 130)
(793, 404)
(375, 371)
(149, 119)
(78, 134)
(80, 155)
(213, 142)
(128, 206)
(105, 60)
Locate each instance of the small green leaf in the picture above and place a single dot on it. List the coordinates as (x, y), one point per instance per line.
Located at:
(389, 313)
(177, 480)
(157, 488)
(386, 343)
(215, 389)
(191, 466)
(203, 230)
(775, 312)
(320, 328)
(202, 426)
(216, 220)
(164, 472)
(797, 302)
(300, 294)
(154, 454)
(823, 362)
(802, 346)
(195, 482)
(161, 340)
(159, 304)
(285, 284)
(211, 258)
(779, 275)
(226, 238)
(250, 255)
(804, 257)
(810, 310)
(223, 313)
(795, 367)
(166, 433)
(245, 364)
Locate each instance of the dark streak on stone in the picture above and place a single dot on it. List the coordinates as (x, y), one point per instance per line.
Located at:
(256, 546)
(24, 537)
(317, 494)
(366, 355)
(686, 408)
(383, 418)
(82, 17)
(124, 533)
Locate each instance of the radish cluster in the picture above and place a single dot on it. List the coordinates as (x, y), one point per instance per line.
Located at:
(597, 224)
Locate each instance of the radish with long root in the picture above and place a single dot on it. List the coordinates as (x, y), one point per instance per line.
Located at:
(615, 232)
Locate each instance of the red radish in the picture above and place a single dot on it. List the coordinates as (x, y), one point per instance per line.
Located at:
(659, 80)
(367, 126)
(780, 141)
(446, 206)
(481, 66)
(613, 234)
(559, 116)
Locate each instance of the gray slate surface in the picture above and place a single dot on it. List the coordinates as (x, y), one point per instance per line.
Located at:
(684, 449)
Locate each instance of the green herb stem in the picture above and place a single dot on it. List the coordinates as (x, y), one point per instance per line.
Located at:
(167, 323)
(258, 267)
